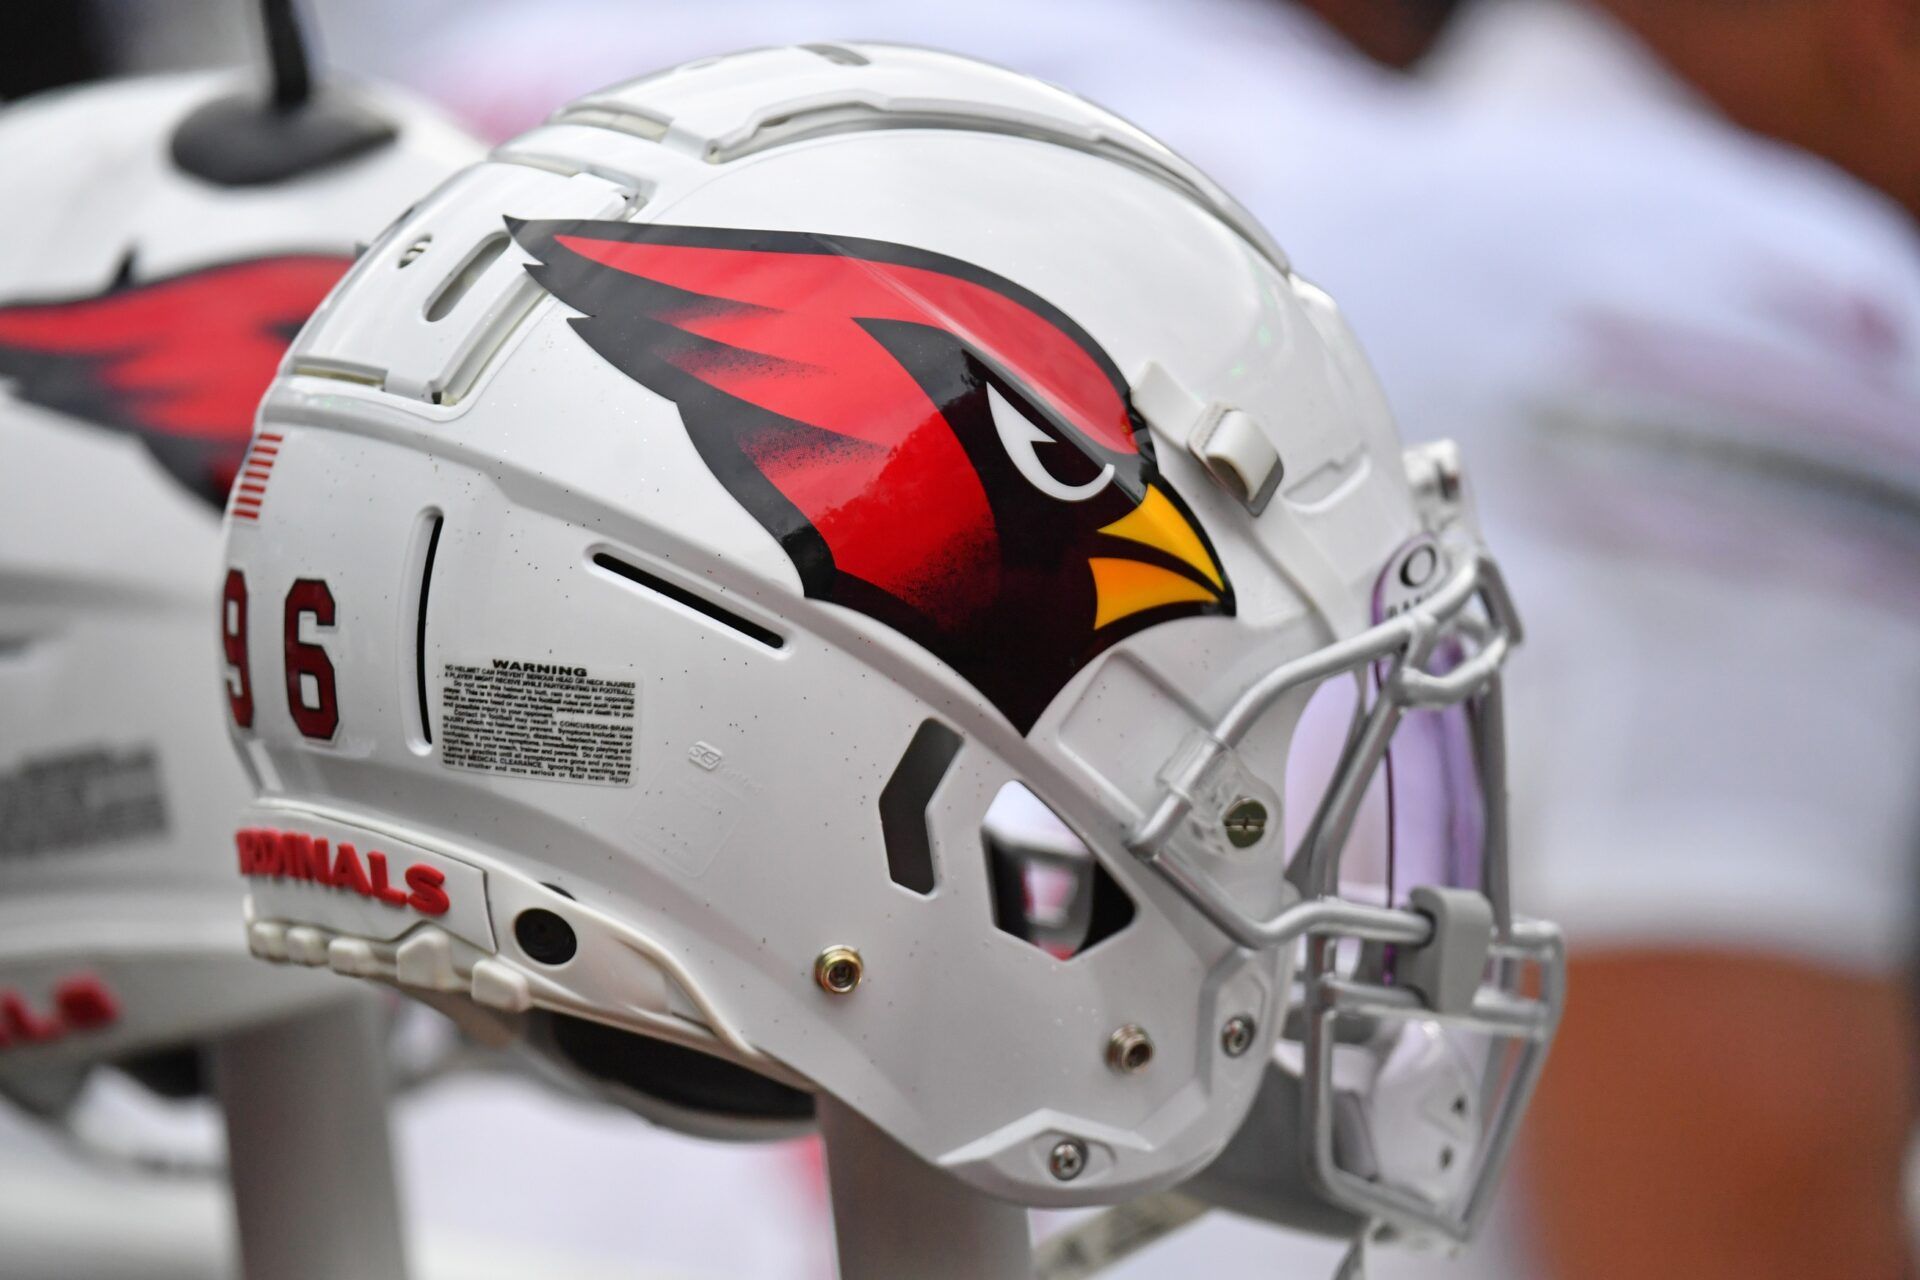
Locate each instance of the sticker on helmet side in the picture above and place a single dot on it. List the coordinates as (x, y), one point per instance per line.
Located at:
(80, 799)
(533, 719)
(933, 445)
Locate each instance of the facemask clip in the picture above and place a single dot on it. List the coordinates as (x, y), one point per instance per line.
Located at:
(1230, 813)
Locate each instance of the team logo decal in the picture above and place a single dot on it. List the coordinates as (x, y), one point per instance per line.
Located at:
(932, 445)
(295, 855)
(79, 1002)
(181, 362)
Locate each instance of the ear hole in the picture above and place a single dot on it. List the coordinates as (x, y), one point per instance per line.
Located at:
(1048, 888)
(904, 800)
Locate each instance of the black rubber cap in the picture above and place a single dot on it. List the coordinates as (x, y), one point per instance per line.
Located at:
(544, 936)
(242, 141)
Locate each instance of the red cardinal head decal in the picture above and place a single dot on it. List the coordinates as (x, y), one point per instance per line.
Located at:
(933, 445)
(180, 362)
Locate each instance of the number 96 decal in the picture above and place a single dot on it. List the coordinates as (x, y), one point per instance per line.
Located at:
(311, 697)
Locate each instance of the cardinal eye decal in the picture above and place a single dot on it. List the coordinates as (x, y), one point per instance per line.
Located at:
(1020, 436)
(931, 444)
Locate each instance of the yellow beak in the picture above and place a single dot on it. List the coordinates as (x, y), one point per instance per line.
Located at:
(1125, 587)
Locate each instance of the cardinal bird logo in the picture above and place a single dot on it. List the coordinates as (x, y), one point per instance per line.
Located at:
(932, 445)
(180, 362)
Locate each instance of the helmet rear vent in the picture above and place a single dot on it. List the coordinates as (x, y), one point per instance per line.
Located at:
(838, 53)
(617, 117)
(904, 800)
(699, 604)
(461, 282)
(426, 542)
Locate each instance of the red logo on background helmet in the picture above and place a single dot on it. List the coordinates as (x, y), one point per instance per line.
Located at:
(181, 362)
(81, 1002)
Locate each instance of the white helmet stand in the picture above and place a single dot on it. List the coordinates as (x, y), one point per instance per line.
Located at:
(896, 1215)
(304, 1097)
(308, 1154)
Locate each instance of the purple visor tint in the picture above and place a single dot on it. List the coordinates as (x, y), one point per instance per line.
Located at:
(1436, 802)
(1423, 818)
(1435, 795)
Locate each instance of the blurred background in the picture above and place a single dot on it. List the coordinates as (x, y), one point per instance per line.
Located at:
(1656, 265)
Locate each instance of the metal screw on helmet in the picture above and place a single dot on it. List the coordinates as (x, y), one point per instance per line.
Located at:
(1068, 1159)
(838, 970)
(1236, 1037)
(1245, 823)
(1129, 1050)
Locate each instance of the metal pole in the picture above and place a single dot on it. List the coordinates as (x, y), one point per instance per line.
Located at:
(895, 1217)
(1354, 1265)
(314, 1193)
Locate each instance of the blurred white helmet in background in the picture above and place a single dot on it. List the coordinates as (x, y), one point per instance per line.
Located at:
(842, 561)
(166, 238)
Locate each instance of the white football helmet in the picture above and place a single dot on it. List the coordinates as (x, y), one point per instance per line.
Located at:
(145, 301)
(845, 560)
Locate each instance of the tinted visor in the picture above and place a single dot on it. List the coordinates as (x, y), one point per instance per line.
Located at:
(1423, 818)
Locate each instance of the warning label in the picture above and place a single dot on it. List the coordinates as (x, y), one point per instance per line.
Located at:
(538, 720)
(80, 799)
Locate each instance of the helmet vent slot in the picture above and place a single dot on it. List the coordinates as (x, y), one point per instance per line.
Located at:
(904, 800)
(1047, 887)
(699, 604)
(426, 542)
(461, 282)
(838, 54)
(612, 115)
